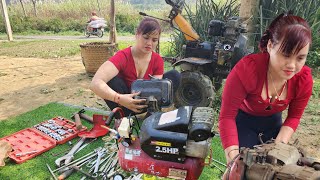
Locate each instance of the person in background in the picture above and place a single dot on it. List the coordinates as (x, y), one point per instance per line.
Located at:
(92, 18)
(263, 85)
(113, 79)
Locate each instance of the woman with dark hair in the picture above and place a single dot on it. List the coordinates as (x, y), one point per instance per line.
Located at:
(113, 80)
(263, 85)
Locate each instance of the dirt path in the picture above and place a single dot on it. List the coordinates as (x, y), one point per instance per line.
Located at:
(27, 83)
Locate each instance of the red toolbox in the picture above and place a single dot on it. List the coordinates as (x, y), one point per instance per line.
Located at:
(31, 142)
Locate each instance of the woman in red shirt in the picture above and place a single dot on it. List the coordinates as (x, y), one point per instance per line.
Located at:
(263, 85)
(113, 80)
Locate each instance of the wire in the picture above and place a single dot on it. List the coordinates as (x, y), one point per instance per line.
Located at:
(135, 130)
(137, 121)
(231, 164)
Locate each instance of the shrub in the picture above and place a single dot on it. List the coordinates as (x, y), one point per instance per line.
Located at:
(127, 23)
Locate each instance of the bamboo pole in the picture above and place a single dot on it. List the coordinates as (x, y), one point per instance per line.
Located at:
(6, 19)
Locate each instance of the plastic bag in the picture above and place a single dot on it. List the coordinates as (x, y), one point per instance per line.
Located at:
(98, 23)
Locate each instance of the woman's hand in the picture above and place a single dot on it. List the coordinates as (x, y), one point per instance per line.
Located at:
(231, 152)
(128, 101)
(235, 169)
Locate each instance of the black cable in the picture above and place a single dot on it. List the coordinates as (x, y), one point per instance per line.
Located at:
(137, 121)
(117, 144)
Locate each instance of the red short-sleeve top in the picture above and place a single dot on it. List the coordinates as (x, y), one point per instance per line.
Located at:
(123, 60)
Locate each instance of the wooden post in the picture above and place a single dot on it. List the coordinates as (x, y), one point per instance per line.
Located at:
(113, 31)
(6, 19)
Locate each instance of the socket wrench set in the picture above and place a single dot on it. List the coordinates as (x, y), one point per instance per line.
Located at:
(59, 128)
(30, 142)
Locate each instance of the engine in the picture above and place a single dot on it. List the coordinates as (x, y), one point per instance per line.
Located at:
(227, 46)
(175, 135)
(278, 161)
(170, 144)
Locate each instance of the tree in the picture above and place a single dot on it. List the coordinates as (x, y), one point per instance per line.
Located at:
(34, 7)
(23, 9)
(248, 9)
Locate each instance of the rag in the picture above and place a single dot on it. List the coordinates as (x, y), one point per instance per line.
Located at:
(5, 148)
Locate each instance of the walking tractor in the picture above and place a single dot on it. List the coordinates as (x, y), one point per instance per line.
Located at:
(204, 64)
(171, 144)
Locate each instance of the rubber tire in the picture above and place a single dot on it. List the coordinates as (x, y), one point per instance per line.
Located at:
(86, 33)
(99, 33)
(195, 89)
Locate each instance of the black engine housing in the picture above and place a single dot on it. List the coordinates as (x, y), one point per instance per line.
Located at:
(164, 135)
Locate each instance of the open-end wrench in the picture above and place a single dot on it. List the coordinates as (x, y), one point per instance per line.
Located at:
(66, 159)
(76, 162)
(100, 154)
(86, 144)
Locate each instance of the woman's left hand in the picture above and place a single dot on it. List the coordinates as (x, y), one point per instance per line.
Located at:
(135, 105)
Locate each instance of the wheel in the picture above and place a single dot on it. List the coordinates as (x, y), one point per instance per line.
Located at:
(99, 33)
(126, 142)
(86, 32)
(118, 177)
(195, 90)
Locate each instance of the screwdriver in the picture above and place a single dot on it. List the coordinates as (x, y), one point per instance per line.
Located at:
(26, 153)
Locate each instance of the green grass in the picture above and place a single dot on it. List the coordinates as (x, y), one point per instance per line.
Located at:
(36, 169)
(57, 48)
(34, 48)
(3, 36)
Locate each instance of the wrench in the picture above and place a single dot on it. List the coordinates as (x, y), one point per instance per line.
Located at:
(100, 154)
(87, 143)
(66, 159)
(82, 159)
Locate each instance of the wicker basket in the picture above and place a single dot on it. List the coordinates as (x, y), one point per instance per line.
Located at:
(94, 54)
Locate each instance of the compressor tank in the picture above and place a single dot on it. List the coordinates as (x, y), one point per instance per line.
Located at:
(133, 159)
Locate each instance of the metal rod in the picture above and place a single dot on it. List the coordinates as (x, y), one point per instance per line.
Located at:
(219, 162)
(217, 167)
(51, 172)
(261, 18)
(78, 161)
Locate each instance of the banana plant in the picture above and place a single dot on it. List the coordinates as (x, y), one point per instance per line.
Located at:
(199, 17)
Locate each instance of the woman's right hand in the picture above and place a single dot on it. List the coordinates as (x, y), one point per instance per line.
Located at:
(135, 105)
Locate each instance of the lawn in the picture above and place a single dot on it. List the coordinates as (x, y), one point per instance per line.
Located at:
(36, 168)
(53, 49)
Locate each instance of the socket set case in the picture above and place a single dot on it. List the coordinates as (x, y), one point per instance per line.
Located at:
(44, 136)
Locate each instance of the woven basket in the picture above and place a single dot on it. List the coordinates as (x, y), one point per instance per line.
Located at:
(94, 54)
